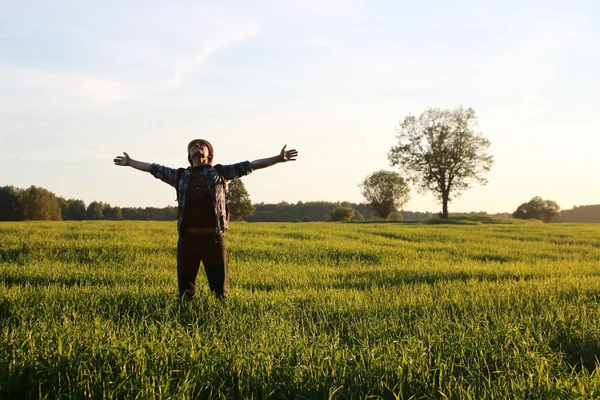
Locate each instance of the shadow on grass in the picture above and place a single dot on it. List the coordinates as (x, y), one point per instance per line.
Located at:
(329, 256)
(7, 314)
(121, 308)
(69, 281)
(365, 280)
(475, 220)
(80, 255)
(411, 239)
(580, 350)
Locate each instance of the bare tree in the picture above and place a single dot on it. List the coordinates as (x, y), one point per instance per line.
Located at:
(440, 152)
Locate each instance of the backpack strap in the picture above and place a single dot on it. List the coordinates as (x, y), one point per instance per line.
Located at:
(179, 173)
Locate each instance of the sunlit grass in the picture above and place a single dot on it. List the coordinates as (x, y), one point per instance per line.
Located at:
(316, 310)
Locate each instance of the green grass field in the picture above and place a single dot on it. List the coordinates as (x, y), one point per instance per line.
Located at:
(315, 310)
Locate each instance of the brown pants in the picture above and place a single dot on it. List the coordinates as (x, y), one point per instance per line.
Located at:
(211, 250)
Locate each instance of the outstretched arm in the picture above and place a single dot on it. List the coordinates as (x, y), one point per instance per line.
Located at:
(285, 155)
(125, 161)
(165, 174)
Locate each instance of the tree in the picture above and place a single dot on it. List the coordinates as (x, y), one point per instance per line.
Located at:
(537, 208)
(589, 213)
(39, 204)
(386, 191)
(64, 207)
(77, 210)
(440, 152)
(238, 200)
(9, 203)
(357, 216)
(396, 216)
(72, 210)
(94, 211)
(342, 214)
(112, 213)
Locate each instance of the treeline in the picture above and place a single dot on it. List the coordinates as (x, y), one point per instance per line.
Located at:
(589, 213)
(321, 211)
(37, 203)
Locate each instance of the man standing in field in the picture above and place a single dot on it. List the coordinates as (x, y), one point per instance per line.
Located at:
(201, 213)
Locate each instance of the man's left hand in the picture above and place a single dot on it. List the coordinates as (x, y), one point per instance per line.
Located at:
(288, 155)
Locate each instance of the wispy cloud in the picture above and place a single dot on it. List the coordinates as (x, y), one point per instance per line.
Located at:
(192, 64)
(30, 89)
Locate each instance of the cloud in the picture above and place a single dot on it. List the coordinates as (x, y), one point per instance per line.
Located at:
(191, 64)
(34, 89)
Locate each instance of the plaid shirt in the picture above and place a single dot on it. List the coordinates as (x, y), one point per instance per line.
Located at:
(215, 178)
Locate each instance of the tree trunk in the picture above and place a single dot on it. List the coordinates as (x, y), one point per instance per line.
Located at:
(445, 197)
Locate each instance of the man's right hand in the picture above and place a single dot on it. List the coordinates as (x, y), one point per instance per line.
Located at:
(122, 160)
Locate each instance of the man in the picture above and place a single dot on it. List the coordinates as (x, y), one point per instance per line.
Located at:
(201, 213)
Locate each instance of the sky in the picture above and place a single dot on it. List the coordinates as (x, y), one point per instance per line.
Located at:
(83, 81)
